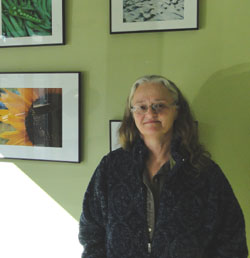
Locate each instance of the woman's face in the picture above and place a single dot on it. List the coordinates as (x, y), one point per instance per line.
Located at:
(154, 121)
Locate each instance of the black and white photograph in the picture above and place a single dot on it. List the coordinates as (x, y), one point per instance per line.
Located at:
(114, 126)
(162, 10)
(153, 15)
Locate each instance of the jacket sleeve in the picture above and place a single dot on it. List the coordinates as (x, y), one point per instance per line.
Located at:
(230, 237)
(92, 220)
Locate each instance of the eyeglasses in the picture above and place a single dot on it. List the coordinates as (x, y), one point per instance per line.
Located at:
(156, 107)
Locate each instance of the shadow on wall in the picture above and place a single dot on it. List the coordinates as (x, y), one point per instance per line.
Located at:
(222, 108)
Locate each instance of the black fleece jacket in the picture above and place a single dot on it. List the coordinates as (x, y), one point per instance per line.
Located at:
(199, 215)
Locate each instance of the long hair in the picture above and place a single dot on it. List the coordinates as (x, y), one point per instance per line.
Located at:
(185, 129)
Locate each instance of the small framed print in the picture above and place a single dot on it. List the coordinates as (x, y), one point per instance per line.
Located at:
(31, 22)
(150, 15)
(114, 142)
(39, 116)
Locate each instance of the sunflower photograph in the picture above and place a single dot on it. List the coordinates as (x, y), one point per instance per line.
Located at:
(31, 117)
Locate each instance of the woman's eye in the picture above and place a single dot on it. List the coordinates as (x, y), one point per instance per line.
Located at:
(160, 105)
(143, 107)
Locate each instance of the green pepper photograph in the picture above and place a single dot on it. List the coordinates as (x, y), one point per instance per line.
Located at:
(22, 18)
(31, 22)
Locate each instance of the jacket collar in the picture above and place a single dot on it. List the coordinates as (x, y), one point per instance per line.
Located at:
(139, 152)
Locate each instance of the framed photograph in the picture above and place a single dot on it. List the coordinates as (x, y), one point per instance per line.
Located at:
(39, 116)
(31, 22)
(114, 126)
(150, 15)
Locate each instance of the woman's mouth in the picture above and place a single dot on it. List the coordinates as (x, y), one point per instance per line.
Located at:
(151, 122)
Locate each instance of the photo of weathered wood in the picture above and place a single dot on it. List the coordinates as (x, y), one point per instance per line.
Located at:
(152, 10)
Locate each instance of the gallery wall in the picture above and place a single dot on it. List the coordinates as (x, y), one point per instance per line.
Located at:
(210, 65)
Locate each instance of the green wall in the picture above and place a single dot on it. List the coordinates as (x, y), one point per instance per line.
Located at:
(210, 65)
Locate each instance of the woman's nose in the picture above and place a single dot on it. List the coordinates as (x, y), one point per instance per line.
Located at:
(151, 111)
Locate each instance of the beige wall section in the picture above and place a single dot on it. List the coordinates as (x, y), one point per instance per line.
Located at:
(211, 66)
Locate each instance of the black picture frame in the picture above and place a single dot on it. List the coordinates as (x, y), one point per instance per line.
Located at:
(39, 116)
(36, 23)
(114, 126)
(127, 16)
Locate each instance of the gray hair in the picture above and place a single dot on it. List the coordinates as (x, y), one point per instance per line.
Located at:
(154, 79)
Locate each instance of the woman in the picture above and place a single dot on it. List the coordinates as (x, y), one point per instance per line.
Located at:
(160, 195)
